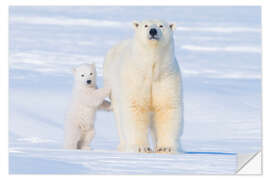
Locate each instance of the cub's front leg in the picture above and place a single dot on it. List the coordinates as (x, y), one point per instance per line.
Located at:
(100, 95)
(106, 106)
(96, 97)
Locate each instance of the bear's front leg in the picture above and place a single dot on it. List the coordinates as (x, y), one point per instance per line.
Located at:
(136, 124)
(167, 127)
(168, 112)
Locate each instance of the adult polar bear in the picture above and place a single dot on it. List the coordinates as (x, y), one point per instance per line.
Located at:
(146, 88)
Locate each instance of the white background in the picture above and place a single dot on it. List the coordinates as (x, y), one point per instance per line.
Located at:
(4, 66)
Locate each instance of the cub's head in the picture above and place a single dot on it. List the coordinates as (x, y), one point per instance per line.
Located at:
(85, 75)
(154, 32)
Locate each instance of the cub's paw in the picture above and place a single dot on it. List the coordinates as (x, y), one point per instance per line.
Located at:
(165, 150)
(86, 148)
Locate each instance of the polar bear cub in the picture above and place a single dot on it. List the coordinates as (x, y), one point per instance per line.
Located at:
(86, 100)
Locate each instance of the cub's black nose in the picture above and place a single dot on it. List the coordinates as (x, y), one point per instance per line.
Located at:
(153, 32)
(88, 81)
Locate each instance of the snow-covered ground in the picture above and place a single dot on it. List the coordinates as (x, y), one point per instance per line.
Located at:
(219, 51)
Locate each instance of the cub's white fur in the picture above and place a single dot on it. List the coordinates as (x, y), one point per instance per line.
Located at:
(79, 125)
(146, 88)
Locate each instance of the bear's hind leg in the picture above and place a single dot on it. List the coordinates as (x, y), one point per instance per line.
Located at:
(120, 127)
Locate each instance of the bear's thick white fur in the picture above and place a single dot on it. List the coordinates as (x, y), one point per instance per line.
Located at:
(86, 99)
(146, 89)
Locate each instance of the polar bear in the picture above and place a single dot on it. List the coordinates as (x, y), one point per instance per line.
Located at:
(86, 100)
(146, 88)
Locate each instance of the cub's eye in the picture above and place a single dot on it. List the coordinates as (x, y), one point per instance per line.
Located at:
(82, 75)
(91, 74)
(146, 26)
(161, 26)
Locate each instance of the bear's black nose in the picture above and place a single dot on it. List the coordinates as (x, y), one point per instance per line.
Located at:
(88, 81)
(153, 32)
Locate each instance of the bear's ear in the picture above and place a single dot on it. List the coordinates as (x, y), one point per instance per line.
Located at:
(135, 24)
(172, 26)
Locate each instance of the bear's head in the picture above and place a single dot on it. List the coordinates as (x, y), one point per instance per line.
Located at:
(153, 32)
(85, 75)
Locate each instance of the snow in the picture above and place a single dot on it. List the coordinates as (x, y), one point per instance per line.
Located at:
(218, 49)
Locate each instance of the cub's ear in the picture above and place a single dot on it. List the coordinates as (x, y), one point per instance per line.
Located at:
(172, 26)
(135, 24)
(73, 70)
(93, 65)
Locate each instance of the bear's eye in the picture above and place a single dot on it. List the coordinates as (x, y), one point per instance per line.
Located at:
(161, 26)
(146, 26)
(91, 74)
(82, 75)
